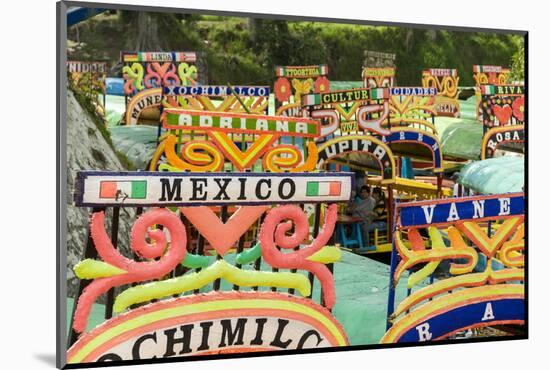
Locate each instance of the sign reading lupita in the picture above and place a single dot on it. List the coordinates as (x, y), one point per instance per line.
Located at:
(96, 188)
(217, 322)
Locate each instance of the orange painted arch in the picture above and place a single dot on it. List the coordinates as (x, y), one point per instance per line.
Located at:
(212, 305)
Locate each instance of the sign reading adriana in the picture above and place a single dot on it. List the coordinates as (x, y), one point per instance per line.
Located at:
(97, 188)
(212, 323)
(239, 123)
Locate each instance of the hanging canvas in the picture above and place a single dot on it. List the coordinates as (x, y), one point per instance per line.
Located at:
(287, 185)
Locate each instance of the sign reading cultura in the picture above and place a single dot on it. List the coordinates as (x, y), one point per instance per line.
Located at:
(238, 123)
(97, 188)
(344, 96)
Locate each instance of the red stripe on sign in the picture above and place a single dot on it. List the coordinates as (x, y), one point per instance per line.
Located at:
(334, 188)
(108, 189)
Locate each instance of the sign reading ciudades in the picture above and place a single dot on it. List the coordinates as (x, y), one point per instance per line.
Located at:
(420, 91)
(175, 118)
(415, 214)
(130, 189)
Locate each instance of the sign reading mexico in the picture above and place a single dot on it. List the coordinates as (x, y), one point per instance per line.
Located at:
(129, 189)
(213, 323)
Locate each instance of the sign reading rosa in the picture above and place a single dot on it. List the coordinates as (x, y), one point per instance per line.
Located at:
(212, 323)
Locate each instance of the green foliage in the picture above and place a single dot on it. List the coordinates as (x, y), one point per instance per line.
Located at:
(245, 51)
(89, 106)
(518, 65)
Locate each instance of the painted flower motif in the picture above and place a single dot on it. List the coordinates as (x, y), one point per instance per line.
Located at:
(283, 91)
(518, 107)
(322, 84)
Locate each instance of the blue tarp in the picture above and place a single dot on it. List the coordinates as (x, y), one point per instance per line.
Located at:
(114, 86)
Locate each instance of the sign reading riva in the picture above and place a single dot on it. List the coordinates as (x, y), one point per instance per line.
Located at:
(502, 90)
(220, 322)
(239, 123)
(209, 90)
(456, 209)
(130, 189)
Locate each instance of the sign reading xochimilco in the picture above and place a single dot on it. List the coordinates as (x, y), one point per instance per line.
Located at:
(218, 322)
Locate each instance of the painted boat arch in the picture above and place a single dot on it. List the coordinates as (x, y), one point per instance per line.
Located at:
(464, 309)
(240, 321)
(366, 144)
(498, 136)
(148, 98)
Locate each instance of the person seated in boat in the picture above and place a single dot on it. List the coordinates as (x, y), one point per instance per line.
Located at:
(363, 207)
(380, 209)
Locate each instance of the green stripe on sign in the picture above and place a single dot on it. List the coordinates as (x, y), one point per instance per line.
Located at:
(311, 99)
(488, 89)
(139, 190)
(377, 93)
(312, 188)
(172, 119)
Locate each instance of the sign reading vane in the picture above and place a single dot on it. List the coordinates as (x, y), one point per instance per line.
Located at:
(130, 189)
